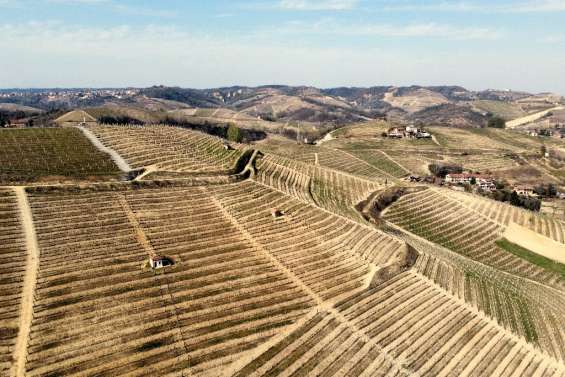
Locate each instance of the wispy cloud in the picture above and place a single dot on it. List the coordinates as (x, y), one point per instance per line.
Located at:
(553, 39)
(539, 6)
(417, 30)
(9, 4)
(317, 5)
(478, 7)
(120, 7)
(69, 2)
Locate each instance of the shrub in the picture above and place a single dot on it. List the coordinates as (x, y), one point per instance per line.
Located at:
(499, 184)
(514, 199)
(441, 170)
(546, 190)
(496, 122)
(108, 119)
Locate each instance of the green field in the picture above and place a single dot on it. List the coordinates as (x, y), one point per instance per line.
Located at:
(39, 154)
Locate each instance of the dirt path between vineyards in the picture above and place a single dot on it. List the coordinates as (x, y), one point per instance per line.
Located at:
(321, 304)
(30, 279)
(396, 162)
(119, 160)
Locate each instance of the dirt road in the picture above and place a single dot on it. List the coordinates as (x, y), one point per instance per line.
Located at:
(119, 160)
(28, 289)
(531, 118)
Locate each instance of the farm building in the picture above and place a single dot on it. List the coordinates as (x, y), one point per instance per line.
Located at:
(409, 132)
(276, 213)
(486, 185)
(458, 178)
(76, 118)
(158, 261)
(395, 133)
(484, 182)
(423, 135)
(525, 191)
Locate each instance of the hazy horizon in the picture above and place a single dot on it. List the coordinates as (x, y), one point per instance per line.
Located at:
(259, 86)
(516, 45)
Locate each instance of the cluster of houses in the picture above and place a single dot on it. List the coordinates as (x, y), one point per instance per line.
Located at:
(558, 132)
(408, 132)
(485, 183)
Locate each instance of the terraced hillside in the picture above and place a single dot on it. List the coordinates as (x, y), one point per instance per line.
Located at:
(349, 163)
(526, 309)
(13, 252)
(51, 154)
(440, 219)
(483, 162)
(237, 280)
(382, 161)
(312, 289)
(330, 189)
(215, 303)
(168, 149)
(504, 214)
(407, 327)
(330, 158)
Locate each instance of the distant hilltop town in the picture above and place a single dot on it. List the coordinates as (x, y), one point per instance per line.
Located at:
(78, 94)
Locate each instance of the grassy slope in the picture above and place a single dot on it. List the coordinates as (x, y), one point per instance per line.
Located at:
(532, 257)
(504, 110)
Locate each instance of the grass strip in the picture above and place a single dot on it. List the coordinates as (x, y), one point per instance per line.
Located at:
(532, 257)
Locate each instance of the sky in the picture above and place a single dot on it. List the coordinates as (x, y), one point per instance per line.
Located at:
(478, 44)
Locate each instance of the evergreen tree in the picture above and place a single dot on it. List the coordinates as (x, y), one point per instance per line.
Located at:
(515, 199)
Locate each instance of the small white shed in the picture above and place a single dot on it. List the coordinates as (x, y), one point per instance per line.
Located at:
(158, 261)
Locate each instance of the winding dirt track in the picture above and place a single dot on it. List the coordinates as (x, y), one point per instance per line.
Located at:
(28, 289)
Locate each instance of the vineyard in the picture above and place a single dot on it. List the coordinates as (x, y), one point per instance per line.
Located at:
(483, 162)
(482, 139)
(383, 162)
(214, 304)
(169, 149)
(511, 307)
(427, 333)
(237, 279)
(349, 163)
(503, 214)
(330, 158)
(13, 250)
(277, 273)
(30, 155)
(330, 189)
(447, 222)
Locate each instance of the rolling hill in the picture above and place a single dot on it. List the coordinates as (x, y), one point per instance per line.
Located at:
(288, 265)
(288, 106)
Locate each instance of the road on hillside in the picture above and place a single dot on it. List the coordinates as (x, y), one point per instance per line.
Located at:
(531, 118)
